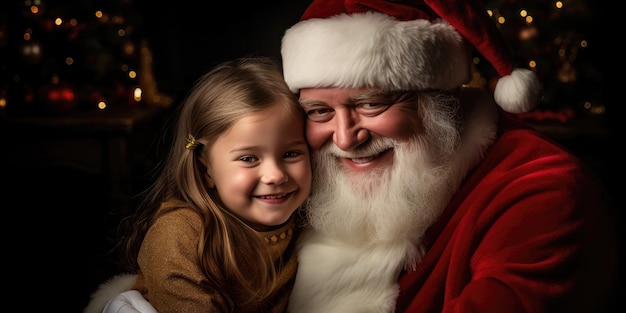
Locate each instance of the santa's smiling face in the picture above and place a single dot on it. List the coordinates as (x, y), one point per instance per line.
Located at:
(355, 118)
(379, 161)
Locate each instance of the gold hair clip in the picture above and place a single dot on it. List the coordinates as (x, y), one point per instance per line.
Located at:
(191, 142)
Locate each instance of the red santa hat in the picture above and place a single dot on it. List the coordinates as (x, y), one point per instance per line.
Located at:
(401, 45)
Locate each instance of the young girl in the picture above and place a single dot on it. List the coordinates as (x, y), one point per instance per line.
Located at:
(216, 230)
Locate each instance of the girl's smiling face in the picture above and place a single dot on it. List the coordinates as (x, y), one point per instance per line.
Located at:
(261, 167)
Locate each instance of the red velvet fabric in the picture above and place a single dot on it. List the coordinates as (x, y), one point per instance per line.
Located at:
(401, 10)
(527, 232)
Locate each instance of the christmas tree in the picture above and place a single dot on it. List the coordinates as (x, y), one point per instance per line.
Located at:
(58, 57)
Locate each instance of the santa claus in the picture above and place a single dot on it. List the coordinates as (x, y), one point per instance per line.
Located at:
(428, 195)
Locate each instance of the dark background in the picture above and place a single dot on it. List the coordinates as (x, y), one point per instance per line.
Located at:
(189, 39)
(59, 217)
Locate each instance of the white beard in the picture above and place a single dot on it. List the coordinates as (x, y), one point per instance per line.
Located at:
(366, 227)
(390, 204)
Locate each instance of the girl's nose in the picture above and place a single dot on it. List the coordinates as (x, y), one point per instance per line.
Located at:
(273, 174)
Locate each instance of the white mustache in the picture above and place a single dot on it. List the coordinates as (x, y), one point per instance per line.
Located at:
(366, 151)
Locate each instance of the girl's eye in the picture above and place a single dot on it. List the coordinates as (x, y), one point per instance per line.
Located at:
(292, 154)
(248, 159)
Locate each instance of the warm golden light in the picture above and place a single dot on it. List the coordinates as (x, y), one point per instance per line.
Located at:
(528, 33)
(102, 105)
(558, 4)
(132, 74)
(137, 94)
(98, 14)
(128, 48)
(34, 9)
(58, 21)
(69, 60)
(597, 109)
(33, 50)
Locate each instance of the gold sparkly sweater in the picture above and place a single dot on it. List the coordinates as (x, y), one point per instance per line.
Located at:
(170, 277)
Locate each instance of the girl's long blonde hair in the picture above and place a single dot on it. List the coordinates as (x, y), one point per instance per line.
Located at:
(219, 98)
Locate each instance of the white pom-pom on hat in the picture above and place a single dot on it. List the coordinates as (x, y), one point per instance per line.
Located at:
(518, 92)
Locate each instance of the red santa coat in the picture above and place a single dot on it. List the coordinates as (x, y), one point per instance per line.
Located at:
(528, 224)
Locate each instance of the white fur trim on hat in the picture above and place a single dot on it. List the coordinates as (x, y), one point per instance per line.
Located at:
(374, 50)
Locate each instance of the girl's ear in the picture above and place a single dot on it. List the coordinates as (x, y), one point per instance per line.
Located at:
(206, 174)
(209, 180)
